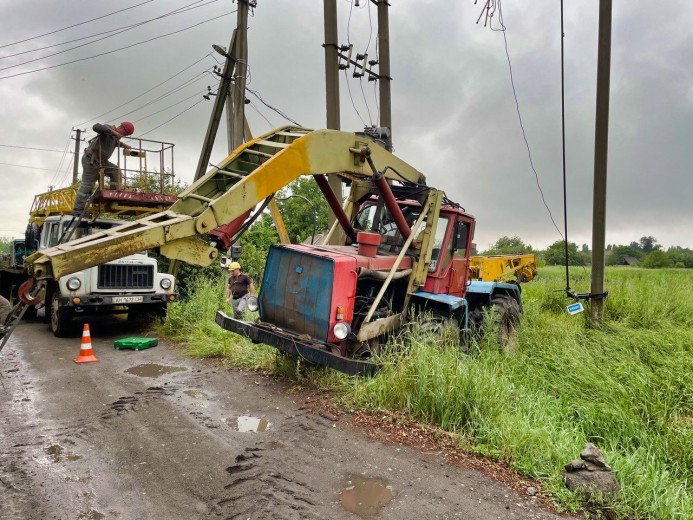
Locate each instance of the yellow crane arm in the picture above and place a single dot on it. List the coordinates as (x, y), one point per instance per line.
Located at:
(253, 172)
(497, 268)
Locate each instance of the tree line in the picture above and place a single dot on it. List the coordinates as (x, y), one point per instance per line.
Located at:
(646, 253)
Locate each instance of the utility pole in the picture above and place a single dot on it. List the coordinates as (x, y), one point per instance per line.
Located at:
(229, 102)
(384, 68)
(75, 166)
(218, 109)
(601, 147)
(332, 86)
(241, 57)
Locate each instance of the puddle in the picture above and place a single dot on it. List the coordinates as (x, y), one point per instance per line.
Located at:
(92, 514)
(196, 394)
(56, 453)
(365, 497)
(153, 370)
(245, 423)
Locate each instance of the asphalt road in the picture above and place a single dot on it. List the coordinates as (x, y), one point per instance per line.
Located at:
(154, 435)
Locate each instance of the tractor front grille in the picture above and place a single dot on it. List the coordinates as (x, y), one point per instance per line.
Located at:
(126, 277)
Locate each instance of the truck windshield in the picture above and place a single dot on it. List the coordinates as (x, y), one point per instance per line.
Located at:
(84, 229)
(391, 239)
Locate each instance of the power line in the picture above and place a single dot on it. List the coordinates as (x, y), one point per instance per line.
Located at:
(346, 79)
(31, 148)
(174, 117)
(259, 97)
(74, 25)
(119, 31)
(252, 105)
(148, 91)
(62, 159)
(184, 85)
(370, 119)
(171, 106)
(119, 49)
(491, 7)
(24, 166)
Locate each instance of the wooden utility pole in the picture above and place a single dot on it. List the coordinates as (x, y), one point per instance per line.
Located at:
(332, 86)
(239, 77)
(384, 68)
(75, 166)
(601, 147)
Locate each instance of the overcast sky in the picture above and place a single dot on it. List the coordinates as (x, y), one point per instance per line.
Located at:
(454, 114)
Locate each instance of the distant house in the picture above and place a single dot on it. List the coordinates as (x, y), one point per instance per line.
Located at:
(631, 261)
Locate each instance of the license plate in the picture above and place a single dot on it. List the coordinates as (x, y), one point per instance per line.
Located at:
(127, 299)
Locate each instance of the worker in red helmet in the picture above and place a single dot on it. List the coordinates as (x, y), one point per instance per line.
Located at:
(96, 158)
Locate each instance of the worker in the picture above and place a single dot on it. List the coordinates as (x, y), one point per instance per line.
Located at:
(96, 157)
(238, 288)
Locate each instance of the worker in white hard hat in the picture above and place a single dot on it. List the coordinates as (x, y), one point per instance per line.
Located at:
(238, 288)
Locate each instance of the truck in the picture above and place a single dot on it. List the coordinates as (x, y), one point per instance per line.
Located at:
(132, 284)
(399, 249)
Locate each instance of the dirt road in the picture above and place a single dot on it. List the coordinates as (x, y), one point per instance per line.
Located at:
(153, 435)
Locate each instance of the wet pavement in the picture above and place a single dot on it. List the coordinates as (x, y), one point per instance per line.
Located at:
(154, 435)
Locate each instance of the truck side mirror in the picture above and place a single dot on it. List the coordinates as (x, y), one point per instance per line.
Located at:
(235, 252)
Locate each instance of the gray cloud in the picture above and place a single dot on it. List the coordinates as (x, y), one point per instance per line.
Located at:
(454, 115)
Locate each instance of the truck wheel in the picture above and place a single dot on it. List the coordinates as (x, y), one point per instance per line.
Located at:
(60, 316)
(506, 316)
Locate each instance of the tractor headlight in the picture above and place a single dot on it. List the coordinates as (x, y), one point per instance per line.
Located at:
(341, 330)
(74, 283)
(165, 283)
(252, 303)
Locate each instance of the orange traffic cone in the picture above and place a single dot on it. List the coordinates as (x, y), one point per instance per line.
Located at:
(85, 353)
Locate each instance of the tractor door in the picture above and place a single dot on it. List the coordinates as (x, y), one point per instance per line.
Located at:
(461, 241)
(449, 268)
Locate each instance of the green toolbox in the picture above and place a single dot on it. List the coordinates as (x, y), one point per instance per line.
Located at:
(135, 343)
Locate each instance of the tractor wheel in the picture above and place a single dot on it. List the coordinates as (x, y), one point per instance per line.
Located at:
(506, 317)
(443, 329)
(60, 316)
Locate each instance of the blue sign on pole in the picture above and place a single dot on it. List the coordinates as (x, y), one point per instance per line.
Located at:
(575, 308)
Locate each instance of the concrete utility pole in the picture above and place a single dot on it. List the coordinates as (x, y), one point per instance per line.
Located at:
(217, 111)
(332, 85)
(601, 147)
(75, 166)
(241, 57)
(229, 102)
(384, 68)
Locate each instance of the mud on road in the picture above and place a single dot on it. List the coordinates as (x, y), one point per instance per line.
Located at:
(154, 435)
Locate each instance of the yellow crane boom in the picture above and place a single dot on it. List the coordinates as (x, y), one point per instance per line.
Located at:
(497, 268)
(254, 171)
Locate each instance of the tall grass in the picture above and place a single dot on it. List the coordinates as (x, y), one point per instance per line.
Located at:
(191, 322)
(626, 386)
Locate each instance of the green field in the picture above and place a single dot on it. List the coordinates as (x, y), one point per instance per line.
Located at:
(627, 387)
